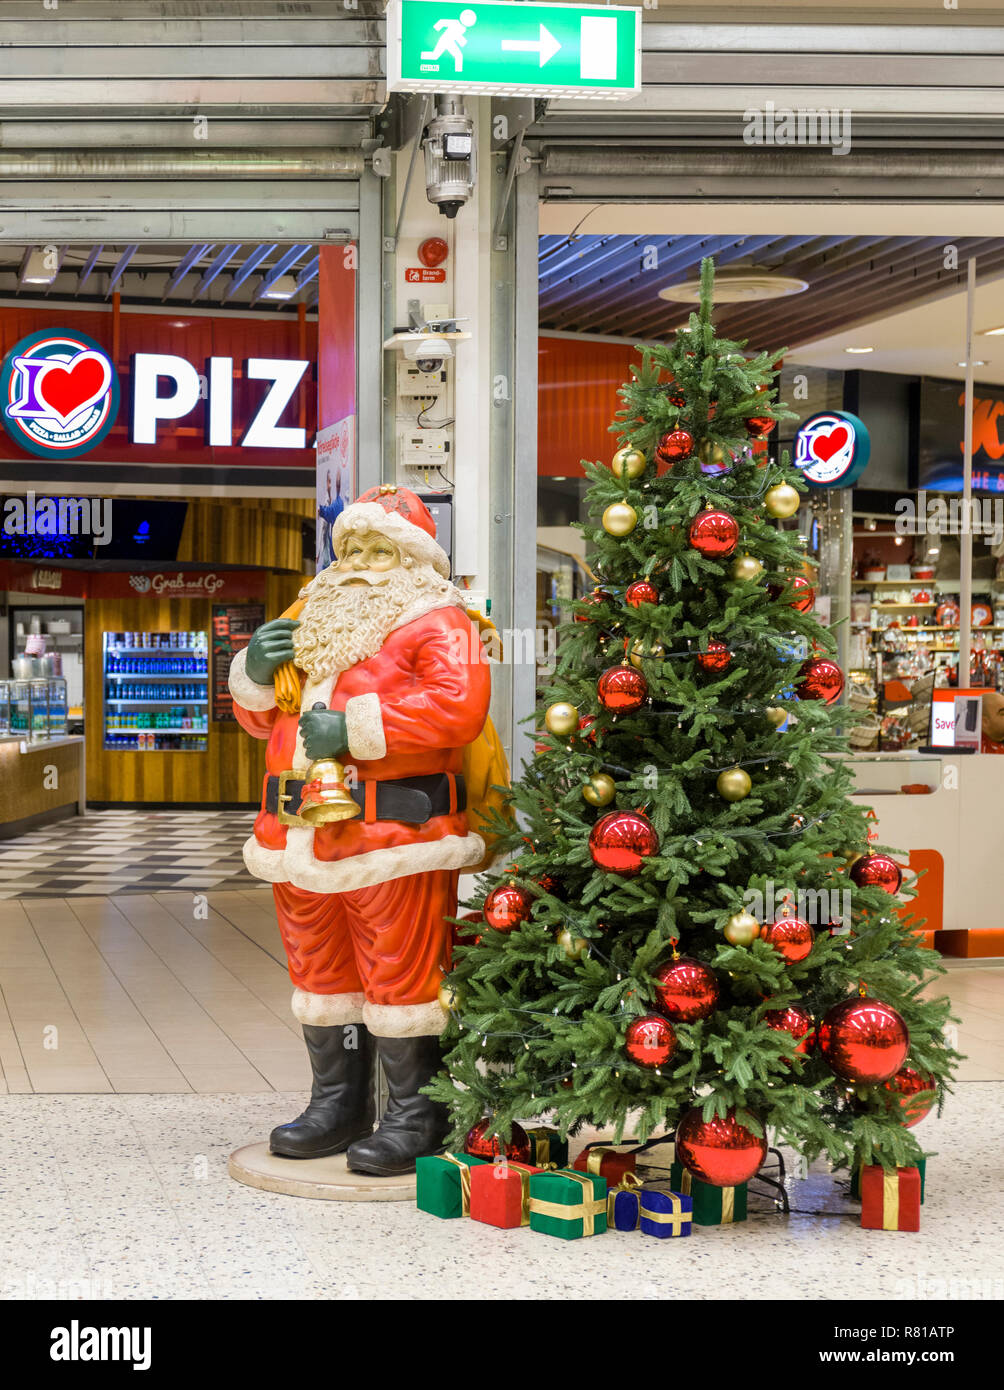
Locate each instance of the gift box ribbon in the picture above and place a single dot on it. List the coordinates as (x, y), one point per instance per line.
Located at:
(675, 1218)
(587, 1209)
(503, 1168)
(542, 1143)
(890, 1201)
(594, 1163)
(630, 1182)
(465, 1183)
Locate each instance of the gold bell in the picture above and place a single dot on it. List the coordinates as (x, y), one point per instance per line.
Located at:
(326, 798)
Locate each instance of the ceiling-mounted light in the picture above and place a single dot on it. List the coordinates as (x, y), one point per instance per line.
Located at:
(992, 332)
(860, 349)
(872, 524)
(736, 286)
(40, 266)
(977, 362)
(283, 288)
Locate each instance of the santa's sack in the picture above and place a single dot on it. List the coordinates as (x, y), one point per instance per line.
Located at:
(486, 775)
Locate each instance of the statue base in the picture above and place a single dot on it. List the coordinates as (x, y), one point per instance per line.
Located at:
(328, 1179)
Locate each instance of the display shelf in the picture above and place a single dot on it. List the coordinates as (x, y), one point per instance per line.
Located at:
(888, 607)
(172, 701)
(143, 652)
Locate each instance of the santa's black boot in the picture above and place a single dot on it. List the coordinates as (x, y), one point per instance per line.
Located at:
(413, 1125)
(342, 1107)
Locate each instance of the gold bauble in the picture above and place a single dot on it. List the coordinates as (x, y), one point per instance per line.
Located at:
(734, 784)
(742, 929)
(711, 454)
(448, 996)
(620, 519)
(782, 500)
(640, 653)
(573, 946)
(600, 790)
(628, 462)
(561, 718)
(746, 567)
(776, 715)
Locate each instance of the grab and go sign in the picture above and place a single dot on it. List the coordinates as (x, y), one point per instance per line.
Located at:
(59, 396)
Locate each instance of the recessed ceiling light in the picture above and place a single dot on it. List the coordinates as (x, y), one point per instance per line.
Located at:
(737, 286)
(871, 349)
(992, 332)
(977, 362)
(39, 267)
(283, 288)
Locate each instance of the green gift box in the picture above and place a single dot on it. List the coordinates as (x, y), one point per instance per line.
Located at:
(713, 1206)
(568, 1205)
(547, 1146)
(856, 1179)
(443, 1184)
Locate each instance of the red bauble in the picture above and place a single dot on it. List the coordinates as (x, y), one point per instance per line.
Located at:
(641, 591)
(794, 1020)
(759, 425)
(716, 658)
(622, 689)
(676, 445)
(481, 1145)
(715, 534)
(904, 1087)
(807, 593)
(863, 1040)
(877, 871)
(687, 990)
(597, 596)
(791, 937)
(507, 906)
(719, 1151)
(820, 679)
(649, 1041)
(622, 840)
(586, 731)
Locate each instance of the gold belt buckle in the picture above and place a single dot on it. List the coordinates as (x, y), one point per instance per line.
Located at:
(289, 817)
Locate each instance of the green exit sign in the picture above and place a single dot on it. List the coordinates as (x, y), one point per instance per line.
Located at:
(513, 49)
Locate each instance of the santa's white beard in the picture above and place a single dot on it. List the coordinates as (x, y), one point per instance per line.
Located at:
(344, 623)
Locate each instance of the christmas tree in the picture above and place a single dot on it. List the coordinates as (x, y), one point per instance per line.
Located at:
(691, 932)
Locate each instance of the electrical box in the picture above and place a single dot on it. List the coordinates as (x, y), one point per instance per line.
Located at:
(411, 382)
(425, 448)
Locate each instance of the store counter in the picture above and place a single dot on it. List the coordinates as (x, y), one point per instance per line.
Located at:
(40, 781)
(955, 831)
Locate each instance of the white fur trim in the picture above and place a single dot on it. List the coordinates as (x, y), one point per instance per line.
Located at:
(263, 863)
(405, 1020)
(246, 692)
(296, 863)
(406, 535)
(327, 1010)
(364, 727)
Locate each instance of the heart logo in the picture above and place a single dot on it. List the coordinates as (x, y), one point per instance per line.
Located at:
(67, 389)
(824, 446)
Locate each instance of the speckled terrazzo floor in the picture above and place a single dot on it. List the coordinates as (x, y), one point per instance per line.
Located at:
(127, 1197)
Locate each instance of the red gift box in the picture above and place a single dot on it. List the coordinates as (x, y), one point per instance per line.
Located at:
(890, 1201)
(501, 1195)
(606, 1161)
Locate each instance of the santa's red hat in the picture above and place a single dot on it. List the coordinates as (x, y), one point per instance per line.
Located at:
(401, 516)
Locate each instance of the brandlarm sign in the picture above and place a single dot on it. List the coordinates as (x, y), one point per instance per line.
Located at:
(832, 448)
(59, 393)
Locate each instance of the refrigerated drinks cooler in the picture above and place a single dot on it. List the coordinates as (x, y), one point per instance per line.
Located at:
(156, 691)
(34, 709)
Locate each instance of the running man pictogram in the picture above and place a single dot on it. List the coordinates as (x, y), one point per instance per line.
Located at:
(453, 38)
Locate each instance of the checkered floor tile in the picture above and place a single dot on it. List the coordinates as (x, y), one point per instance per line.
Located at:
(108, 852)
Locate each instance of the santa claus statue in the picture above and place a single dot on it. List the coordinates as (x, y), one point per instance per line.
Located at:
(389, 678)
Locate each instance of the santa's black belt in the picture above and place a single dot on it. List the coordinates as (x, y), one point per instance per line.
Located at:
(411, 799)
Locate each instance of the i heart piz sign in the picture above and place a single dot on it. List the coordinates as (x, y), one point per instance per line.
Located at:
(59, 393)
(832, 448)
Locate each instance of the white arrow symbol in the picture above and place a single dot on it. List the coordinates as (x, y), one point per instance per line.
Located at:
(547, 45)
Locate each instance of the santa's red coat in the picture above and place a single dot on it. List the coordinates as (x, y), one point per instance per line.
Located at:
(410, 711)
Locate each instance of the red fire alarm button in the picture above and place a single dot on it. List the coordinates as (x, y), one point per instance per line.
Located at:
(433, 251)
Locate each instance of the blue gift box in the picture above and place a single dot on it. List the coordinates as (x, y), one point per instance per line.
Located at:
(665, 1213)
(623, 1208)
